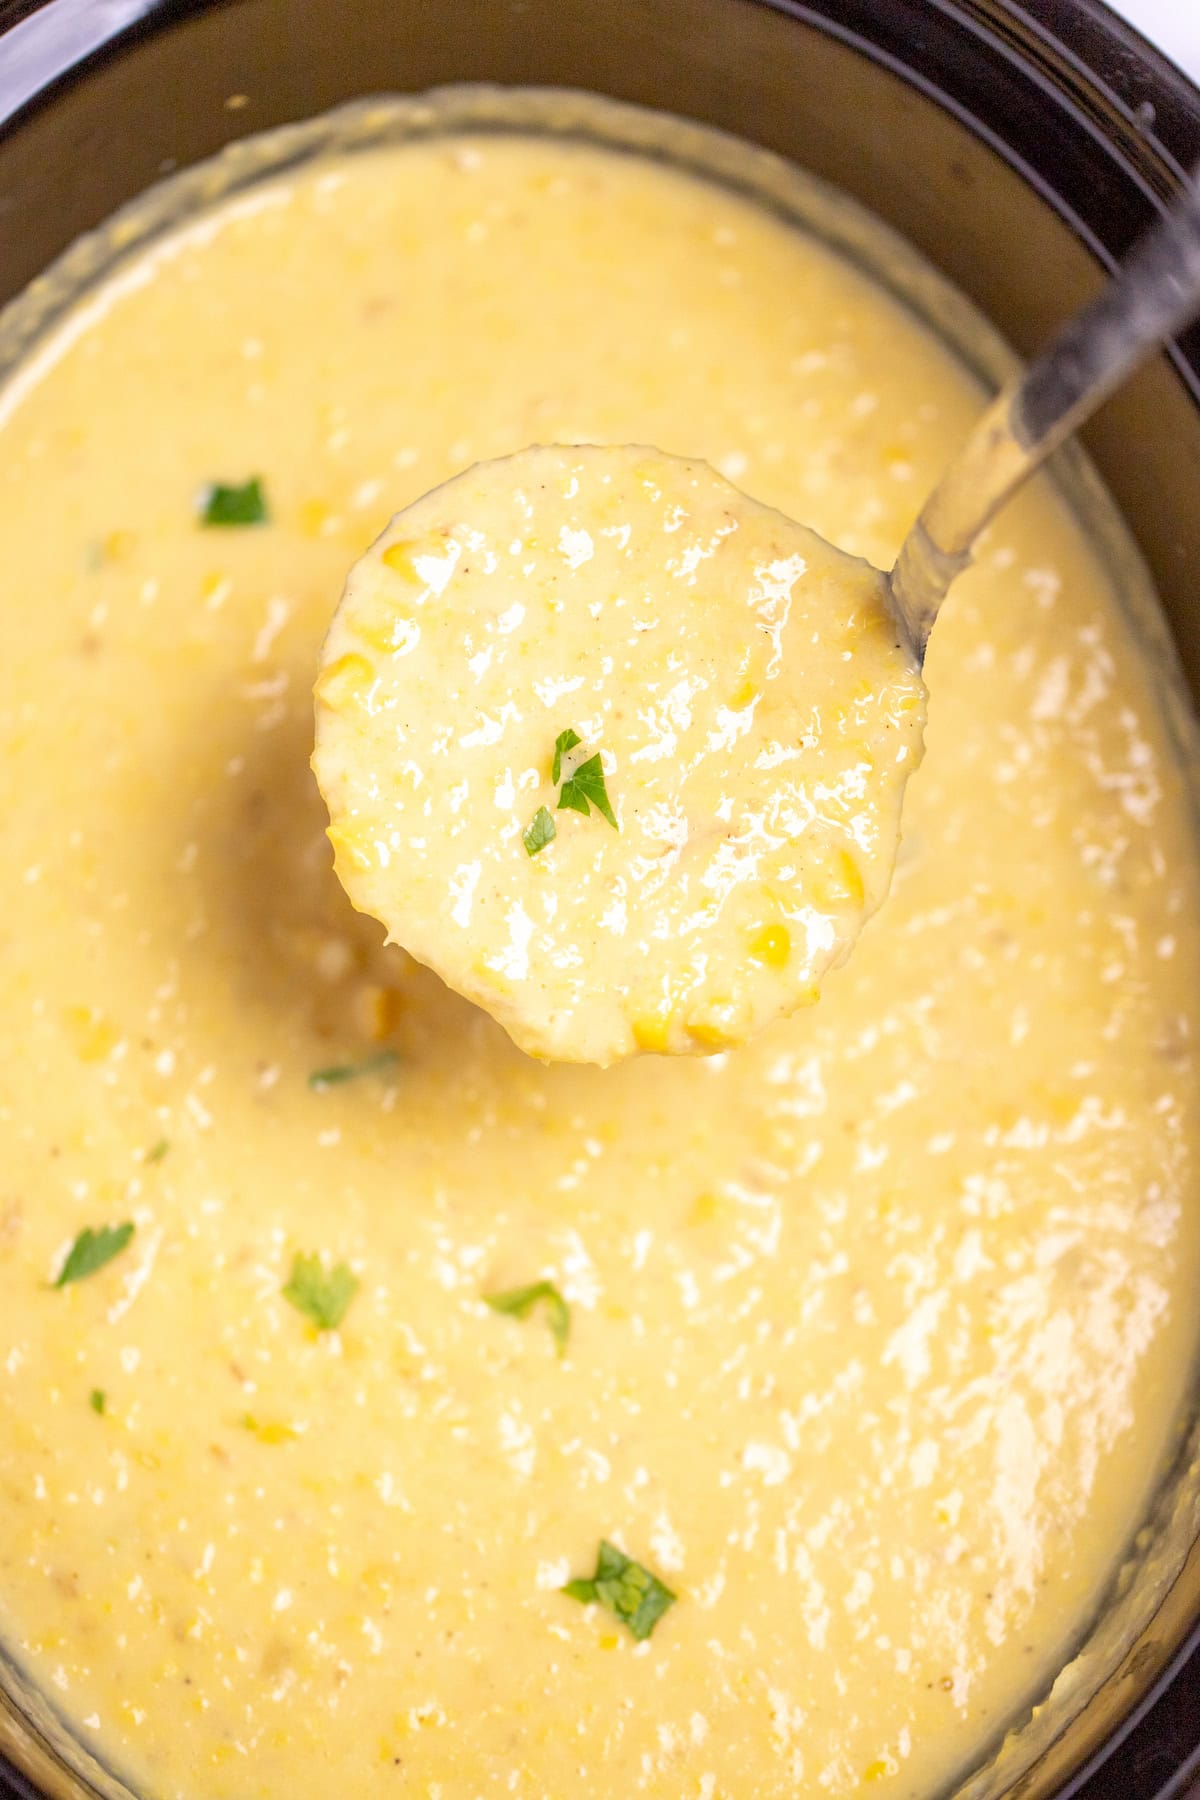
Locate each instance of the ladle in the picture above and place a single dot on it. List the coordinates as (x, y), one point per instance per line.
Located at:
(1155, 292)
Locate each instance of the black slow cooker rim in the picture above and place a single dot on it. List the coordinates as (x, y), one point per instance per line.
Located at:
(1128, 99)
(1150, 107)
(1075, 58)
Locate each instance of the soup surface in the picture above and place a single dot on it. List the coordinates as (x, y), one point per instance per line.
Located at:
(864, 1340)
(741, 687)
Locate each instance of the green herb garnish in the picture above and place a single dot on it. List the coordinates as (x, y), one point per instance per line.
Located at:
(586, 788)
(224, 504)
(630, 1592)
(518, 1303)
(581, 790)
(98, 1401)
(566, 740)
(156, 1152)
(323, 1295)
(540, 831)
(320, 1079)
(92, 1249)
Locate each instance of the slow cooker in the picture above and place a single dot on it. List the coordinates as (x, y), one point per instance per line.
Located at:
(1021, 149)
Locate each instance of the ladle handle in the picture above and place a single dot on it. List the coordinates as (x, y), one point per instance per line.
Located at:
(1154, 293)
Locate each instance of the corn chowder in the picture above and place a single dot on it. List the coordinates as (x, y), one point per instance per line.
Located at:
(382, 1409)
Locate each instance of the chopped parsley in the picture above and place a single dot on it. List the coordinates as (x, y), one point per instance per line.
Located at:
(583, 789)
(518, 1303)
(321, 1294)
(630, 1592)
(234, 504)
(156, 1152)
(566, 740)
(92, 1249)
(586, 789)
(540, 831)
(98, 1401)
(320, 1079)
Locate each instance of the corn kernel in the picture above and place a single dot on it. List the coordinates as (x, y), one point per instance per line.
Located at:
(704, 1209)
(711, 1034)
(1063, 1107)
(841, 882)
(377, 630)
(398, 558)
(494, 978)
(93, 1036)
(851, 878)
(651, 1032)
(350, 842)
(317, 519)
(269, 1431)
(875, 1771)
(346, 681)
(119, 544)
(215, 589)
(773, 946)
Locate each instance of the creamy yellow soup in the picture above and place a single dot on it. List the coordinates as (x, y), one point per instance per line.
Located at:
(616, 750)
(860, 1345)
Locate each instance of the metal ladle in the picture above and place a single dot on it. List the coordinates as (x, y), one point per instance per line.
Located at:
(1154, 293)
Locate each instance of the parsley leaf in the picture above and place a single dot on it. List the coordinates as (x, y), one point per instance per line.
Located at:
(540, 831)
(629, 1591)
(323, 1295)
(98, 1401)
(320, 1079)
(235, 504)
(587, 786)
(518, 1303)
(157, 1151)
(92, 1249)
(566, 740)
